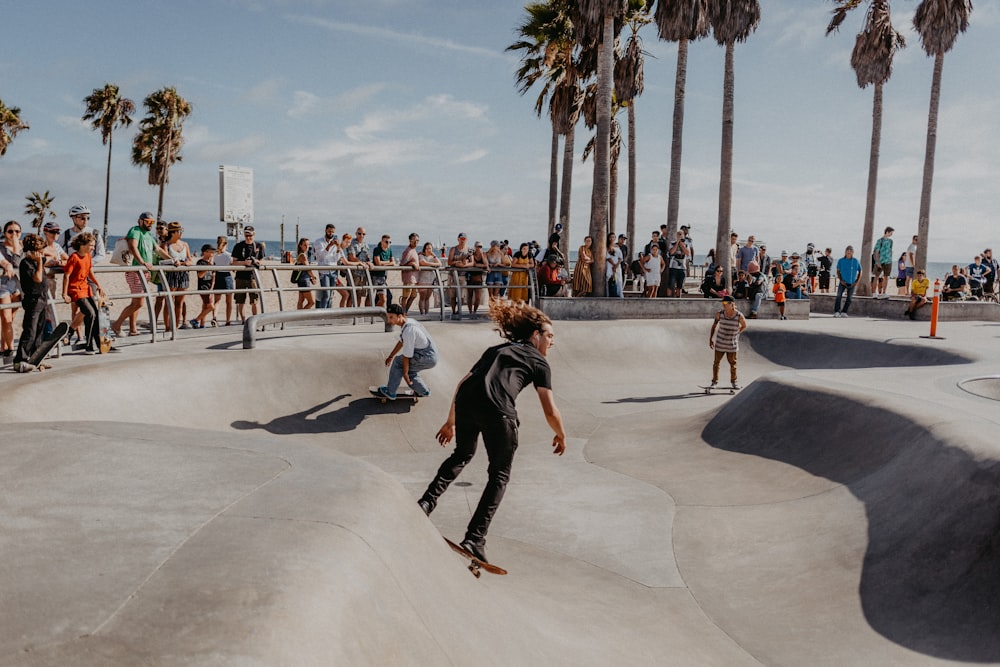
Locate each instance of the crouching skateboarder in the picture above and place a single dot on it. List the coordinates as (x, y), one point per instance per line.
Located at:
(484, 404)
(418, 354)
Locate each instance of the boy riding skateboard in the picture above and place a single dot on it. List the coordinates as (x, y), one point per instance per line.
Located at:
(484, 404)
(724, 339)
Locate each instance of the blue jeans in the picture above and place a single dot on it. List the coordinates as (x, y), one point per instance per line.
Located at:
(324, 297)
(757, 298)
(422, 360)
(841, 288)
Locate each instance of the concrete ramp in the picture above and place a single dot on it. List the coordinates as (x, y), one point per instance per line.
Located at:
(197, 504)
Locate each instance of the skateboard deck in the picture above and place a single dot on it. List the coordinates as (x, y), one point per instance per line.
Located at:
(475, 565)
(57, 335)
(719, 389)
(104, 326)
(401, 394)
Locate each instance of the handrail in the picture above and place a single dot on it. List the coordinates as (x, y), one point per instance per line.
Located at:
(257, 322)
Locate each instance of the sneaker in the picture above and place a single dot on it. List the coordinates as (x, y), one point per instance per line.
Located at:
(422, 395)
(843, 314)
(712, 383)
(90, 353)
(734, 386)
(24, 367)
(753, 316)
(384, 391)
(477, 550)
(425, 506)
(782, 318)
(836, 313)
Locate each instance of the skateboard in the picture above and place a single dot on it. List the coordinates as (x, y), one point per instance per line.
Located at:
(57, 335)
(475, 565)
(719, 389)
(401, 394)
(104, 326)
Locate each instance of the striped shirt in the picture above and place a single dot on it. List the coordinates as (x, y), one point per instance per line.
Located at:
(727, 332)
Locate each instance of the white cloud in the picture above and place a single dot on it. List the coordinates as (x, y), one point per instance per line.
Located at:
(410, 39)
(303, 104)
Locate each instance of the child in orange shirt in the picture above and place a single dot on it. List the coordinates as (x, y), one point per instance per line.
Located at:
(779, 297)
(77, 278)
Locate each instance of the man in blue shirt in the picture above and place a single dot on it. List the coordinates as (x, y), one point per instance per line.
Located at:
(848, 272)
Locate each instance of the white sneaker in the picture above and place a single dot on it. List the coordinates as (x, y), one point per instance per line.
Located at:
(836, 314)
(843, 314)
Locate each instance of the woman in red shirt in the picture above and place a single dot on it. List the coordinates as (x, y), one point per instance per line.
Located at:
(78, 274)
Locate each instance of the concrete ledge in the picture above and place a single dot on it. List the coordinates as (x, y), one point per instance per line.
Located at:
(602, 308)
(893, 308)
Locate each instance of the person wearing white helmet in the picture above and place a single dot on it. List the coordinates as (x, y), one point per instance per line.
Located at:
(80, 215)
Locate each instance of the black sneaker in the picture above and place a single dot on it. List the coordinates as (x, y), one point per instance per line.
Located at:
(425, 506)
(477, 550)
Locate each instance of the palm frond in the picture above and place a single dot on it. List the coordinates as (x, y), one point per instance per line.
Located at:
(938, 22)
(733, 20)
(682, 19)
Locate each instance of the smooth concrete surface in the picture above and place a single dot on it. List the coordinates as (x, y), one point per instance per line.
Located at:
(194, 503)
(895, 306)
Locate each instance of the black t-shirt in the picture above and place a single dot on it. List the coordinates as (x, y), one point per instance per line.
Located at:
(955, 282)
(243, 251)
(206, 282)
(825, 263)
(29, 288)
(500, 375)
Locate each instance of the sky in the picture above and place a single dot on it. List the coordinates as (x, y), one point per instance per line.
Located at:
(402, 116)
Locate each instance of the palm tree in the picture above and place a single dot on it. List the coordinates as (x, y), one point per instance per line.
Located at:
(10, 125)
(547, 42)
(732, 21)
(564, 108)
(158, 143)
(106, 111)
(679, 21)
(39, 206)
(871, 59)
(938, 23)
(628, 86)
(595, 22)
(590, 120)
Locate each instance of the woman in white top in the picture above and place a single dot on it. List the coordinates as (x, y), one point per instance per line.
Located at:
(652, 266)
(223, 279)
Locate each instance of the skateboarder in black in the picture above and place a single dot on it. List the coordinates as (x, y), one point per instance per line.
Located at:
(484, 403)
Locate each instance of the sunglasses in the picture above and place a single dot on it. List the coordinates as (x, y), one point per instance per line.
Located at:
(51, 231)
(85, 216)
(13, 231)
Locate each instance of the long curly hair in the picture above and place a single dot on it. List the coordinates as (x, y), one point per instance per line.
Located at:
(517, 321)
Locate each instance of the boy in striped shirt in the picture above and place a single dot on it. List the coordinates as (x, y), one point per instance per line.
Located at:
(724, 338)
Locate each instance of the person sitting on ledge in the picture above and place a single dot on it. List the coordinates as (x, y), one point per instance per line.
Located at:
(918, 294)
(549, 279)
(714, 285)
(954, 285)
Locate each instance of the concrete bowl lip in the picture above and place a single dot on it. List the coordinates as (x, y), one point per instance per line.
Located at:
(990, 380)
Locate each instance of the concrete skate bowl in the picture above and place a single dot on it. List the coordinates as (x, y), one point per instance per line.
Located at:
(930, 575)
(823, 351)
(985, 387)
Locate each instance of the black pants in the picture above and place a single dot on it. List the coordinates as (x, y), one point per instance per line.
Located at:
(32, 329)
(500, 439)
(92, 332)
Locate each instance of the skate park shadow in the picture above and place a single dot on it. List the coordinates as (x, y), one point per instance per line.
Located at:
(655, 399)
(931, 572)
(823, 351)
(314, 420)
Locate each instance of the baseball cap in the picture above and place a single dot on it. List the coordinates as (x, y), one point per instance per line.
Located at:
(248, 228)
(50, 226)
(146, 215)
(394, 309)
(462, 235)
(207, 246)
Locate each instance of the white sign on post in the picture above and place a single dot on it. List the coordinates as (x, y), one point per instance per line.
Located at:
(236, 195)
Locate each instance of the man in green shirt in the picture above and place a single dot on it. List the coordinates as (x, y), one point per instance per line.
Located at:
(140, 246)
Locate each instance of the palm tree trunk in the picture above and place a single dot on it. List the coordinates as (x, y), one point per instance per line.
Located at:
(553, 180)
(864, 287)
(726, 176)
(567, 187)
(674, 193)
(107, 189)
(602, 154)
(630, 220)
(613, 199)
(924, 224)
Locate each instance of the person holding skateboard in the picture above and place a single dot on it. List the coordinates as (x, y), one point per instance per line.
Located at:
(416, 353)
(34, 300)
(484, 404)
(724, 339)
